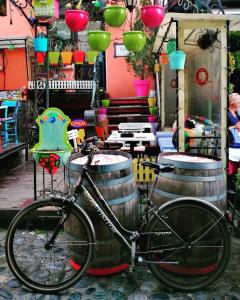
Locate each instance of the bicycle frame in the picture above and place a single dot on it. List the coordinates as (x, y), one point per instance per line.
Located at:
(106, 213)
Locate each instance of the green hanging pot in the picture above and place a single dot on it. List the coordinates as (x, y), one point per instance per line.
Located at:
(99, 40)
(134, 40)
(91, 55)
(115, 16)
(171, 46)
(53, 57)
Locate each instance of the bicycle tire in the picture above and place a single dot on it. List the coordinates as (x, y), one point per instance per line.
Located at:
(195, 248)
(49, 269)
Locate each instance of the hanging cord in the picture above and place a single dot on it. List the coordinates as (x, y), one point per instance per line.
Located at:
(10, 12)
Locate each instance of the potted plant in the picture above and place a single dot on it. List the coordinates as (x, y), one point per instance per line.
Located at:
(142, 63)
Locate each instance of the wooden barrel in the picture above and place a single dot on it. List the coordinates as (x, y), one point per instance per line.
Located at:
(195, 176)
(114, 177)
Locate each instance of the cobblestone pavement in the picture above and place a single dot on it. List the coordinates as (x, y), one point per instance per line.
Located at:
(119, 287)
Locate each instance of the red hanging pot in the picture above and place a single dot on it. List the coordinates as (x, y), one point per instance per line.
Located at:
(79, 57)
(76, 19)
(40, 57)
(152, 15)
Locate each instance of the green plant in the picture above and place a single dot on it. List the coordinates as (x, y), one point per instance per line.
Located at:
(142, 63)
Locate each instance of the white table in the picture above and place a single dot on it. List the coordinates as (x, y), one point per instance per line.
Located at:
(135, 127)
(138, 137)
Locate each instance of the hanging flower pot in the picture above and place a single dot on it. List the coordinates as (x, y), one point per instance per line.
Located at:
(177, 60)
(99, 40)
(152, 101)
(115, 15)
(163, 58)
(141, 87)
(53, 57)
(40, 44)
(40, 57)
(79, 57)
(153, 110)
(91, 55)
(67, 57)
(152, 15)
(105, 102)
(134, 40)
(171, 46)
(152, 118)
(76, 19)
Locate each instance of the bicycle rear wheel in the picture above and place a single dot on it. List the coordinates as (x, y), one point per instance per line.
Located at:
(43, 267)
(189, 243)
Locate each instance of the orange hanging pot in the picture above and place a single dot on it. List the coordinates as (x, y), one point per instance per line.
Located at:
(67, 57)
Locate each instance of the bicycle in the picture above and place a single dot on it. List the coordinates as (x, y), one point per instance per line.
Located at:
(39, 250)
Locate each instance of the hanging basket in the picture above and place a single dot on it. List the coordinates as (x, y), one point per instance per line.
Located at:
(134, 40)
(40, 44)
(67, 57)
(53, 57)
(115, 16)
(76, 19)
(79, 57)
(99, 40)
(40, 57)
(91, 55)
(152, 15)
(177, 60)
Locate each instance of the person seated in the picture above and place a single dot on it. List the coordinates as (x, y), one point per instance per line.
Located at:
(234, 138)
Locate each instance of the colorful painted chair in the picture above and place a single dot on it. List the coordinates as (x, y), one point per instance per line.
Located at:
(53, 148)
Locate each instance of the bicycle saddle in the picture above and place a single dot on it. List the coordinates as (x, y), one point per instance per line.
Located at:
(159, 168)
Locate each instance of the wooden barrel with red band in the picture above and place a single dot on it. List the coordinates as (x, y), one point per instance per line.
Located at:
(194, 176)
(114, 177)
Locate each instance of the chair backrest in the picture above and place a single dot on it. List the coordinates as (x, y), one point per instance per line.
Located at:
(53, 130)
(73, 135)
(12, 108)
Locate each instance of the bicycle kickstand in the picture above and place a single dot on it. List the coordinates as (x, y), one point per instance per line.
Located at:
(132, 266)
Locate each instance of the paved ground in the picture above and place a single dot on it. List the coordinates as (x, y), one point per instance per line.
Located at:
(119, 287)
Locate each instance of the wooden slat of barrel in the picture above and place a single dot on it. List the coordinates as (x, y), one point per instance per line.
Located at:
(117, 184)
(195, 176)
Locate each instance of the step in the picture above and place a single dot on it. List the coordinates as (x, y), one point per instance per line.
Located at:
(125, 118)
(128, 110)
(129, 101)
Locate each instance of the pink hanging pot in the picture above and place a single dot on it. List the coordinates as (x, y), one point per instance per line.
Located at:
(76, 19)
(152, 15)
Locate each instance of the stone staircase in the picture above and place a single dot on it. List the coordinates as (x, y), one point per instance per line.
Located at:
(127, 110)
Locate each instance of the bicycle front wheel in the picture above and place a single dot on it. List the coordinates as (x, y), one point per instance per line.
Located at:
(40, 250)
(189, 244)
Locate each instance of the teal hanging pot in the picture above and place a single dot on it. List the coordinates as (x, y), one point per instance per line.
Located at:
(177, 60)
(115, 16)
(99, 40)
(40, 44)
(134, 40)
